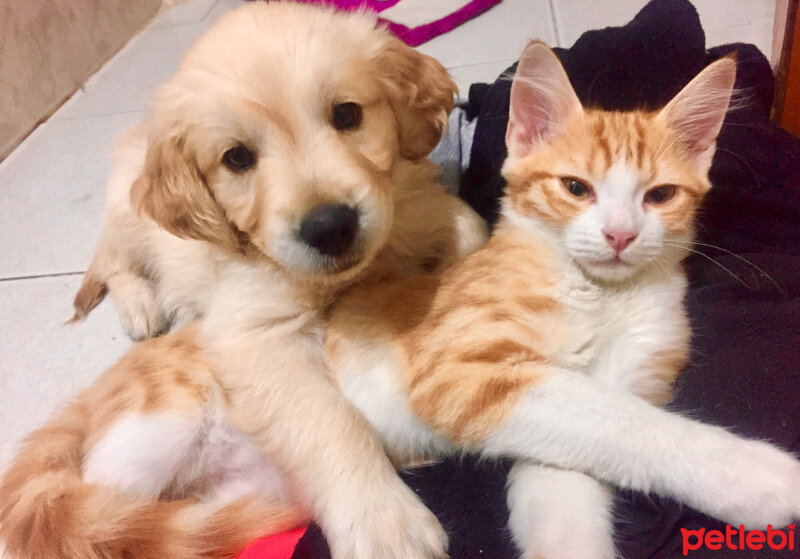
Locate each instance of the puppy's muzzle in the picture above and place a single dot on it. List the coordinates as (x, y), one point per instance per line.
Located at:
(330, 229)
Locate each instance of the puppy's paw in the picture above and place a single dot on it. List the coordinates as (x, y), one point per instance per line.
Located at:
(138, 311)
(398, 528)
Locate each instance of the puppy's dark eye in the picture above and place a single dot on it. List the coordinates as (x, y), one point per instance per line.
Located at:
(346, 116)
(660, 194)
(239, 159)
(576, 187)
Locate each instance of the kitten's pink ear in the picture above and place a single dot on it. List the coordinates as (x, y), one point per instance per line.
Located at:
(697, 112)
(542, 99)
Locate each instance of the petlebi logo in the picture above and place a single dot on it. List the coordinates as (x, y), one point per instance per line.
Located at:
(737, 539)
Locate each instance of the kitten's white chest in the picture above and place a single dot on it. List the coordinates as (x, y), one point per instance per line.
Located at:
(585, 314)
(615, 330)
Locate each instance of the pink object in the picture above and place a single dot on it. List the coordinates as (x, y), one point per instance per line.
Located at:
(415, 35)
(279, 546)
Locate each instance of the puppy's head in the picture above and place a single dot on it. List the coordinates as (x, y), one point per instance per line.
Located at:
(280, 132)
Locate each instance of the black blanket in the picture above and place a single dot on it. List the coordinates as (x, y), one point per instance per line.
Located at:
(744, 299)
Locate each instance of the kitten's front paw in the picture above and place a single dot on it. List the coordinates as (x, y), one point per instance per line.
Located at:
(764, 486)
(559, 514)
(138, 311)
(399, 528)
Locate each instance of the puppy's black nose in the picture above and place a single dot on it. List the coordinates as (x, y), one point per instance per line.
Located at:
(330, 228)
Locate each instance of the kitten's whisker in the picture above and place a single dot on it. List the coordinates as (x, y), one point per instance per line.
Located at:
(664, 267)
(487, 119)
(659, 266)
(743, 162)
(591, 85)
(659, 152)
(734, 276)
(663, 149)
(745, 260)
(746, 126)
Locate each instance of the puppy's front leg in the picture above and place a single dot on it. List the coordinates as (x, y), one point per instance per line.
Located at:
(281, 394)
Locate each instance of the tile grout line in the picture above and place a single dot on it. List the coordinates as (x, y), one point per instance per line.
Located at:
(553, 20)
(101, 115)
(210, 9)
(152, 24)
(40, 276)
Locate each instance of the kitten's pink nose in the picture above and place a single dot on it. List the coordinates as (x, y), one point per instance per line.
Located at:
(619, 240)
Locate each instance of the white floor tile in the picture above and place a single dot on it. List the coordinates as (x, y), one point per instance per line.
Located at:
(757, 32)
(222, 7)
(53, 193)
(499, 34)
(126, 82)
(727, 13)
(573, 18)
(45, 362)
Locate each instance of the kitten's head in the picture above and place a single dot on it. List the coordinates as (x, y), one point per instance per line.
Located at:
(619, 190)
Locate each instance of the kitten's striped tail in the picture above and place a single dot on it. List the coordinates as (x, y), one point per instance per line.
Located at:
(48, 512)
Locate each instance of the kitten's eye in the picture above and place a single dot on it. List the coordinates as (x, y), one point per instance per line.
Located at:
(660, 194)
(346, 116)
(576, 187)
(239, 159)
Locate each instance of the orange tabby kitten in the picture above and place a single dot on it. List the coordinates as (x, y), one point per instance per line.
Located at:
(552, 343)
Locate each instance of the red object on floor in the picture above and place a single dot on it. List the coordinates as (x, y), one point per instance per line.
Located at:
(279, 546)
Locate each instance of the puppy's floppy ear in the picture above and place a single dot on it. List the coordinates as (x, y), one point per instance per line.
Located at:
(421, 94)
(171, 190)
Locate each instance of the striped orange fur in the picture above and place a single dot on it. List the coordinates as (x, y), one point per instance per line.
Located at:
(49, 512)
(471, 340)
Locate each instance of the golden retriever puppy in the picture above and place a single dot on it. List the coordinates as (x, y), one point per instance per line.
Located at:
(288, 135)
(283, 161)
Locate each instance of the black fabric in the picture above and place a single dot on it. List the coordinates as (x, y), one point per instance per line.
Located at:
(744, 298)
(468, 497)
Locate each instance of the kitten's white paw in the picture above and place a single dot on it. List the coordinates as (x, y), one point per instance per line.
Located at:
(767, 490)
(398, 528)
(559, 514)
(752, 483)
(569, 542)
(138, 311)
